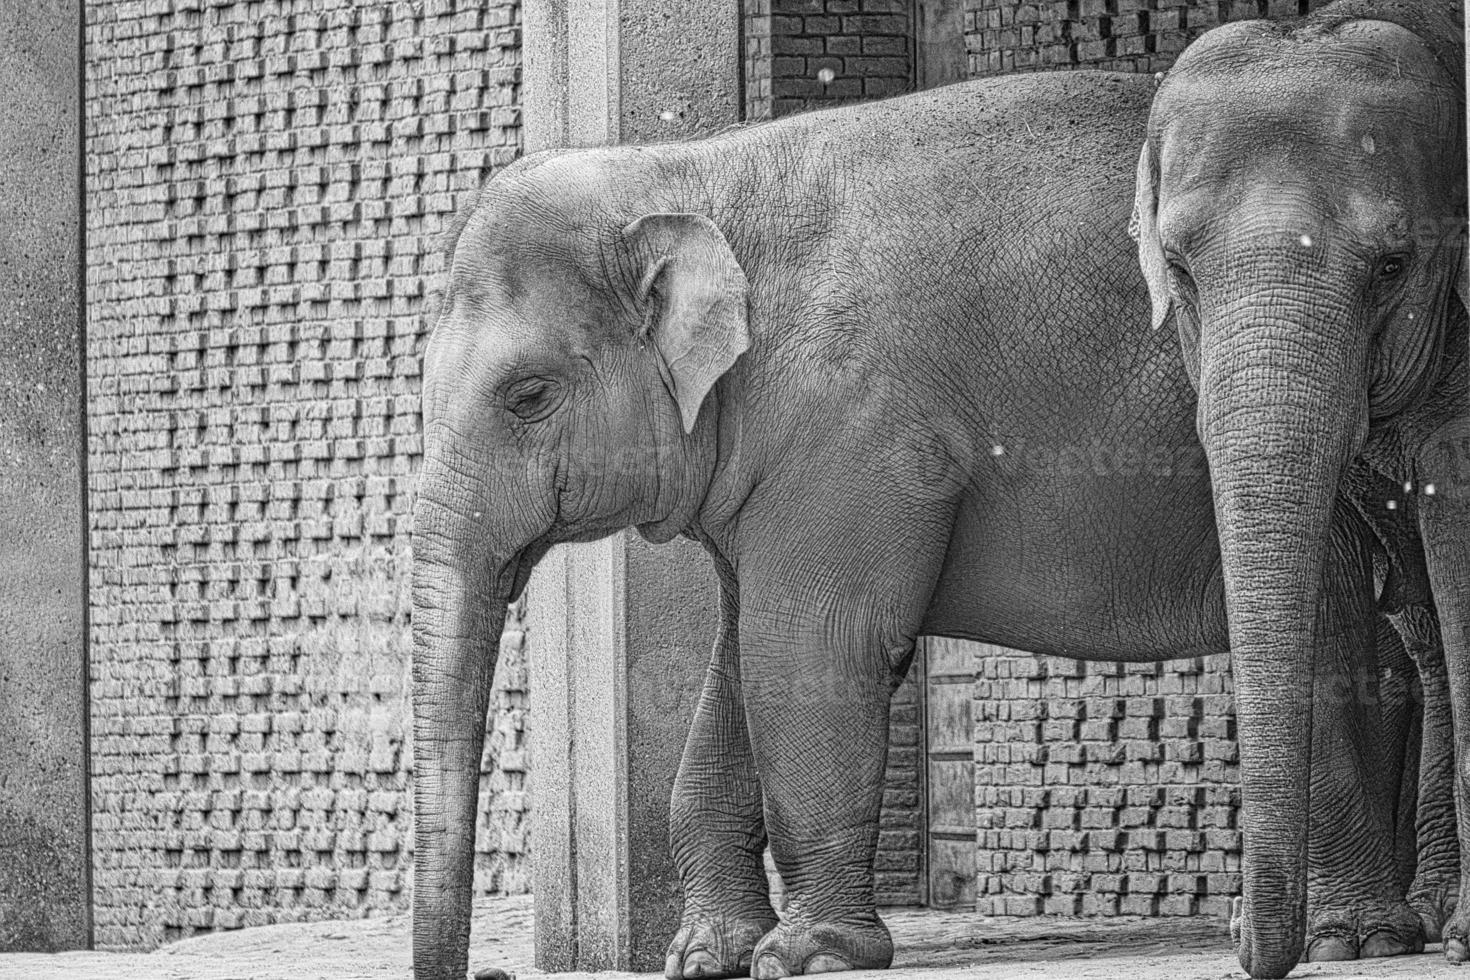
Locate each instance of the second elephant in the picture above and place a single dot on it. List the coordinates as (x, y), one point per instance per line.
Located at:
(1301, 224)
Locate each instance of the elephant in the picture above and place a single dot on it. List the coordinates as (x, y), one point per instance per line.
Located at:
(906, 391)
(1300, 216)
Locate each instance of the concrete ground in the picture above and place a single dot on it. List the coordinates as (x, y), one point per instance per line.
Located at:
(931, 946)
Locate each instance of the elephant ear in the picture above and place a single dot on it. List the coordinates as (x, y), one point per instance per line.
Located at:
(1144, 227)
(693, 294)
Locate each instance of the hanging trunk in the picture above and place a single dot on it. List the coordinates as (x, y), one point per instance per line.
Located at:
(1280, 417)
(459, 609)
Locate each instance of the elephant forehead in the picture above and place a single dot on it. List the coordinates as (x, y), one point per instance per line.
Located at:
(508, 269)
(1317, 81)
(1372, 142)
(549, 317)
(1286, 108)
(556, 214)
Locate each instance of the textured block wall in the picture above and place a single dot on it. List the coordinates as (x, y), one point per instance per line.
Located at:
(901, 824)
(1005, 36)
(1105, 789)
(811, 54)
(267, 184)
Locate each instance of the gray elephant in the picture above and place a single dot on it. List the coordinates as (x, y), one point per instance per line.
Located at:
(906, 391)
(1301, 218)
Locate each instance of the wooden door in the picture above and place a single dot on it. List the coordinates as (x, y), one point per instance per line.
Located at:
(939, 43)
(948, 666)
(949, 678)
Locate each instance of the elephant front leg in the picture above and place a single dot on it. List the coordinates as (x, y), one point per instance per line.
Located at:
(835, 577)
(821, 655)
(716, 830)
(821, 740)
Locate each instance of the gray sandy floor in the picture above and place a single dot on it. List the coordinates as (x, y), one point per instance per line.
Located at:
(932, 946)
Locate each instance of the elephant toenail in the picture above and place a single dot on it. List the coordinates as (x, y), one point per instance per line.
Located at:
(1382, 945)
(700, 963)
(825, 963)
(1331, 949)
(769, 967)
(1456, 951)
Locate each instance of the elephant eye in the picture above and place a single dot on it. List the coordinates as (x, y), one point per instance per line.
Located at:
(532, 399)
(1391, 267)
(1179, 276)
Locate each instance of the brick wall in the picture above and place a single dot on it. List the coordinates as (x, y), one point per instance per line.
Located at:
(901, 824)
(810, 54)
(267, 181)
(1006, 36)
(1105, 789)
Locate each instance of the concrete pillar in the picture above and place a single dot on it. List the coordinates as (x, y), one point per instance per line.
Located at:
(44, 848)
(619, 632)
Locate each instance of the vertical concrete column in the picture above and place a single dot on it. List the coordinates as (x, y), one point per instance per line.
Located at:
(45, 900)
(620, 632)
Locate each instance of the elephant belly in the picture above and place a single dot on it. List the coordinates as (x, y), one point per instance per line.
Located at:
(1088, 571)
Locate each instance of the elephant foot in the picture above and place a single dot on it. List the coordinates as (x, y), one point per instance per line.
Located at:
(792, 949)
(1457, 936)
(1435, 902)
(716, 945)
(1362, 932)
(1258, 962)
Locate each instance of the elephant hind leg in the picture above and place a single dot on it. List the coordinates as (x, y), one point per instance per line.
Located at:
(716, 829)
(1399, 701)
(1443, 520)
(1436, 881)
(1356, 901)
(1417, 715)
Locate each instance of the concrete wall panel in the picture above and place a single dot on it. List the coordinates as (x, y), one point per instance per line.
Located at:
(43, 768)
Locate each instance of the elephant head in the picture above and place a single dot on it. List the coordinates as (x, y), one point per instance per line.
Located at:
(567, 395)
(1300, 217)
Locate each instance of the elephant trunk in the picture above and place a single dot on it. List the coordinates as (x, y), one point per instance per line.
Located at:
(1280, 418)
(460, 591)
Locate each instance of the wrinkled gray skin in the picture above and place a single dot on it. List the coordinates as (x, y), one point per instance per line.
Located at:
(906, 390)
(1414, 692)
(1301, 208)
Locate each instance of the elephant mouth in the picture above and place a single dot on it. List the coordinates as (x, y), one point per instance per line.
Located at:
(521, 567)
